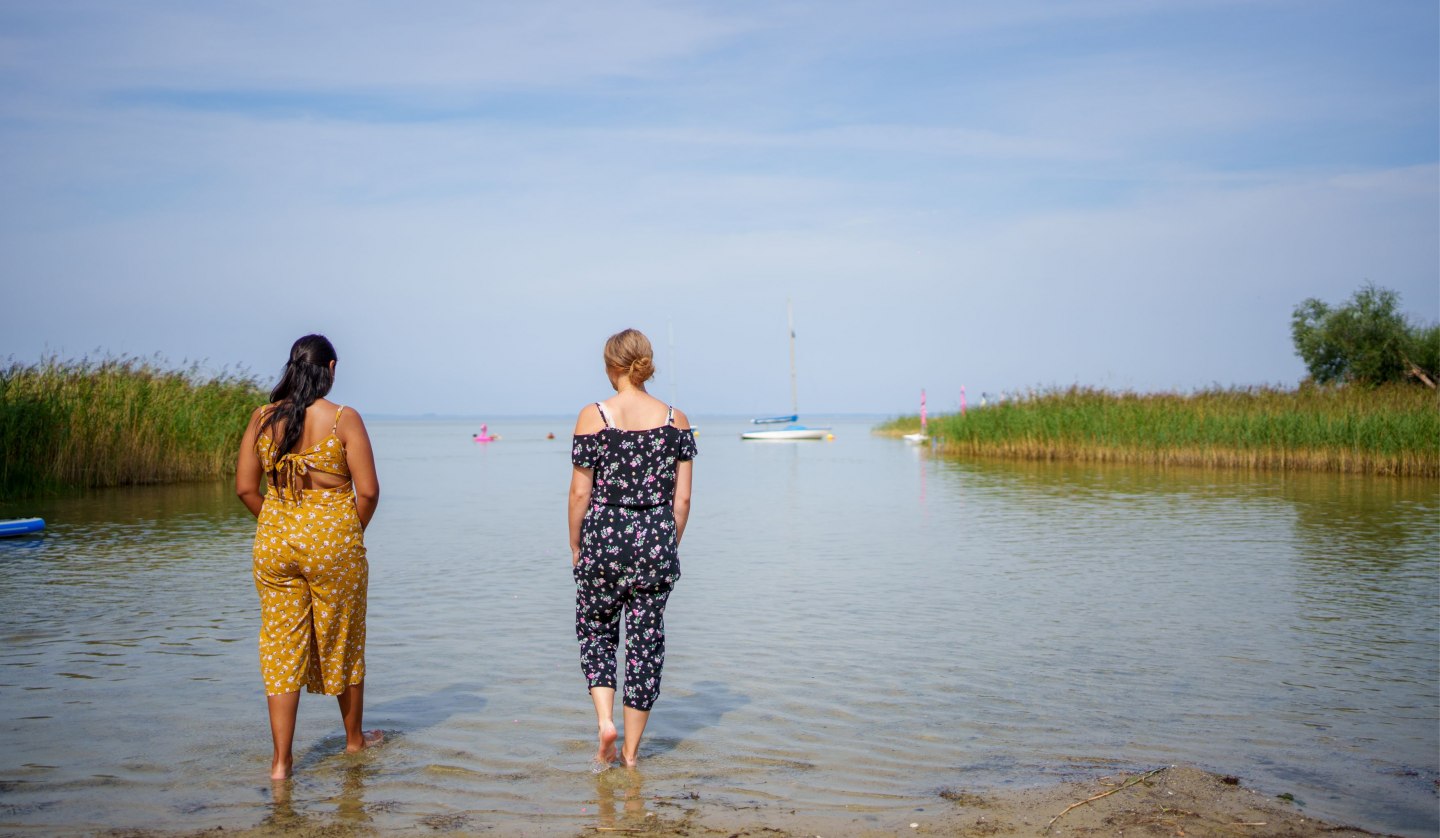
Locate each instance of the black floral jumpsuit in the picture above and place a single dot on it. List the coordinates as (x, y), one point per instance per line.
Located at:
(628, 560)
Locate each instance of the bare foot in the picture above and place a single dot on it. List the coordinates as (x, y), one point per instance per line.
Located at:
(368, 739)
(280, 769)
(606, 753)
(630, 760)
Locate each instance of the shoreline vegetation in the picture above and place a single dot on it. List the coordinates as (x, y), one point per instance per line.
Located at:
(1388, 430)
(115, 422)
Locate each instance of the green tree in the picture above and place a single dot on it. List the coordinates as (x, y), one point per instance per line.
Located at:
(1365, 341)
(1423, 352)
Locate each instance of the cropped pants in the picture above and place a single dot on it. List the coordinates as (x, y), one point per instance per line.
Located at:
(313, 578)
(628, 566)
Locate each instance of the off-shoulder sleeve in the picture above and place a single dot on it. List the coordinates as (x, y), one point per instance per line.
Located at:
(687, 449)
(585, 450)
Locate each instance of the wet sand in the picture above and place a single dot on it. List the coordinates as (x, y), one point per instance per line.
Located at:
(1170, 801)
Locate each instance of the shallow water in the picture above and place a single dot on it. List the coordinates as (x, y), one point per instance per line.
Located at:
(859, 625)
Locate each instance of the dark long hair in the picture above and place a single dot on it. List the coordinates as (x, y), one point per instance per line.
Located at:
(307, 377)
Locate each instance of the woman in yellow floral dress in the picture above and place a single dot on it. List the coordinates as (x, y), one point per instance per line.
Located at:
(310, 566)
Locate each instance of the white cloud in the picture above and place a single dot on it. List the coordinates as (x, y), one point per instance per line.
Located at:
(334, 45)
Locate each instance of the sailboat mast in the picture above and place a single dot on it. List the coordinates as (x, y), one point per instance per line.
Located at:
(794, 391)
(674, 376)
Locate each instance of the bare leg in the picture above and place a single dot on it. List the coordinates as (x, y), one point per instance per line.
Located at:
(352, 711)
(282, 709)
(634, 728)
(604, 698)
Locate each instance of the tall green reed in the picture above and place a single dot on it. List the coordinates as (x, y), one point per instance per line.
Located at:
(118, 421)
(1386, 430)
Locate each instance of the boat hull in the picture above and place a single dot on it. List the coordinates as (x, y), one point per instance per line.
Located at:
(787, 434)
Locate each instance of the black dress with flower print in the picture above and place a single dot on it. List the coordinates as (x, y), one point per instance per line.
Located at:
(628, 563)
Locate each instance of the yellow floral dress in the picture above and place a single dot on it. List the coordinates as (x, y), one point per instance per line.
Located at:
(311, 573)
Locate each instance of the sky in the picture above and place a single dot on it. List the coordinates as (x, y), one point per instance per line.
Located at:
(469, 197)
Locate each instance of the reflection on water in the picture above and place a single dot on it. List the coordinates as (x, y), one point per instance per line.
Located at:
(344, 807)
(620, 800)
(859, 624)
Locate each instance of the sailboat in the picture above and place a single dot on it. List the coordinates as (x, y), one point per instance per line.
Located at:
(793, 430)
(922, 436)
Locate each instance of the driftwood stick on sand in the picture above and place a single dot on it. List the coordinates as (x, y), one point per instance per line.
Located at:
(1125, 785)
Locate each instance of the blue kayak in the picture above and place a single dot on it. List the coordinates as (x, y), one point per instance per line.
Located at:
(21, 526)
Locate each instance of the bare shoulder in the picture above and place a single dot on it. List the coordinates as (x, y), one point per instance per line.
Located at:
(257, 416)
(350, 416)
(589, 421)
(681, 420)
(349, 426)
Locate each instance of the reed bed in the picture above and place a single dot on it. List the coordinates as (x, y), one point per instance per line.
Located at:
(1391, 430)
(119, 421)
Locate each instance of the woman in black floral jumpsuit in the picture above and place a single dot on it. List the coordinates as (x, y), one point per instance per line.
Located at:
(629, 501)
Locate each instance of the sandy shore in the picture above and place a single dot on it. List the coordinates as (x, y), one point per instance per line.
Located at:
(1174, 801)
(1171, 801)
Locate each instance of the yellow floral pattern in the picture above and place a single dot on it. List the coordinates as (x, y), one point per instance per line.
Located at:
(312, 575)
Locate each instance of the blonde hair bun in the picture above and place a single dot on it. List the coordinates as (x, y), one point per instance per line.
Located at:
(628, 353)
(641, 370)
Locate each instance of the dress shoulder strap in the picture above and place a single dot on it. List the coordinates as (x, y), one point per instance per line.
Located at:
(670, 414)
(606, 419)
(336, 426)
(266, 414)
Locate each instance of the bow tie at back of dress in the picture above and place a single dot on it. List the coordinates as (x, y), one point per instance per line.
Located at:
(327, 455)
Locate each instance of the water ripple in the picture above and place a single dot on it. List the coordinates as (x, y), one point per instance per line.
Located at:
(857, 627)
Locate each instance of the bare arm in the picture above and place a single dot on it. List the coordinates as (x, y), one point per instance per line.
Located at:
(682, 498)
(682, 484)
(582, 480)
(360, 457)
(248, 473)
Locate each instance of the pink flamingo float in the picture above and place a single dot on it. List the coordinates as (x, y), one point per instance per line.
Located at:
(485, 435)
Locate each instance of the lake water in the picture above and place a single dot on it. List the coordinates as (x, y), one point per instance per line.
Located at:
(859, 625)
